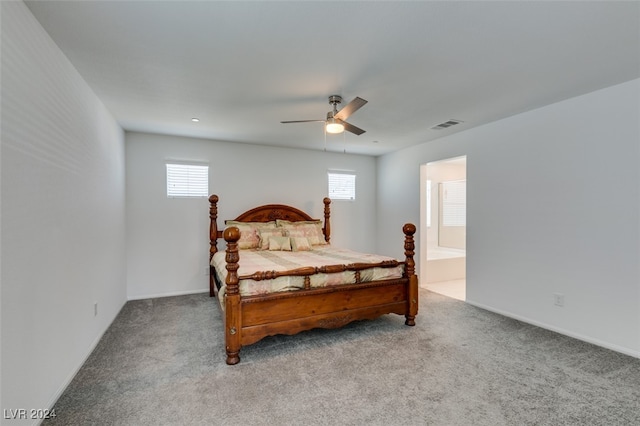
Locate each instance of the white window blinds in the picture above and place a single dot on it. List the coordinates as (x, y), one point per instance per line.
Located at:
(187, 180)
(454, 203)
(342, 186)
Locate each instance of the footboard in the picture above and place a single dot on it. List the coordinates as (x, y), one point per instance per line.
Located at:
(251, 318)
(321, 308)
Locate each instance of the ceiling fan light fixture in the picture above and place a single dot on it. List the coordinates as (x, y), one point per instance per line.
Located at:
(333, 126)
(335, 122)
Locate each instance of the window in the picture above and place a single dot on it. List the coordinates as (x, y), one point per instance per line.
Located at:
(342, 186)
(428, 202)
(454, 203)
(187, 180)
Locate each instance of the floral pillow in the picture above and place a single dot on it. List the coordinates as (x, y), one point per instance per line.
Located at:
(279, 244)
(249, 236)
(261, 225)
(312, 230)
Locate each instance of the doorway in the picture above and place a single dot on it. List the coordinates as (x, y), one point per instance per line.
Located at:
(443, 234)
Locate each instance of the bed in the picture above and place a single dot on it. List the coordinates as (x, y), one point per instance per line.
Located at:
(268, 286)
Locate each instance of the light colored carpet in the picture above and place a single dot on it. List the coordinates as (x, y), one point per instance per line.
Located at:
(162, 363)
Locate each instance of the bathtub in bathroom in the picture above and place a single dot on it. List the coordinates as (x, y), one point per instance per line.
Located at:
(445, 264)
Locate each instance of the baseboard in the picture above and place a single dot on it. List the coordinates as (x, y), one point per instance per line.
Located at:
(173, 293)
(597, 342)
(95, 342)
(67, 382)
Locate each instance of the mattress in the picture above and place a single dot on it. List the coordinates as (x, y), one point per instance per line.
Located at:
(252, 261)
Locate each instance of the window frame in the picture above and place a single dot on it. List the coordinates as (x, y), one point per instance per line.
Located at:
(335, 193)
(197, 179)
(428, 201)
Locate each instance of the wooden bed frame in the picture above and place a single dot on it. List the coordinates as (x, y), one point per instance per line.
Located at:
(247, 319)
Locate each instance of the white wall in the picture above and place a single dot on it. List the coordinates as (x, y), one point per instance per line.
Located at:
(63, 242)
(168, 239)
(553, 206)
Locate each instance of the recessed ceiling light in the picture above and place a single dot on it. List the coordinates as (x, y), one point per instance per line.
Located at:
(195, 120)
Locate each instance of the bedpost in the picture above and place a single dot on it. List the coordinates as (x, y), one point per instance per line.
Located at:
(410, 272)
(213, 238)
(327, 224)
(232, 326)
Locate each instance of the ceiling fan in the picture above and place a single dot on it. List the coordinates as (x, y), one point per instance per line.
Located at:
(335, 119)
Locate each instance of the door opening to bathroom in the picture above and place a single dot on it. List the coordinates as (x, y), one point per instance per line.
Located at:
(443, 235)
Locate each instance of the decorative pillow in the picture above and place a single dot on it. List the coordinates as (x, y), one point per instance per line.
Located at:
(249, 237)
(309, 229)
(261, 225)
(282, 222)
(265, 234)
(279, 244)
(300, 244)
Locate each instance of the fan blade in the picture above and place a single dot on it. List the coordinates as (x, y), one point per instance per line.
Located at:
(350, 108)
(351, 128)
(303, 121)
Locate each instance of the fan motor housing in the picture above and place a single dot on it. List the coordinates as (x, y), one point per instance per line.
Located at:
(335, 100)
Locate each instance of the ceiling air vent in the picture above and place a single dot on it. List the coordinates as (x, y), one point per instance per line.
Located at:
(446, 124)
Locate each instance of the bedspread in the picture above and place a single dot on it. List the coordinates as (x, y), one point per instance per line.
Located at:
(252, 261)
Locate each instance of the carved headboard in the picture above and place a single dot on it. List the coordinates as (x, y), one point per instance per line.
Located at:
(271, 212)
(265, 213)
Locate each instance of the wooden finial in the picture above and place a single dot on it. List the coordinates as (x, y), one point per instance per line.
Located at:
(213, 239)
(213, 225)
(409, 248)
(410, 272)
(231, 236)
(233, 324)
(409, 229)
(327, 222)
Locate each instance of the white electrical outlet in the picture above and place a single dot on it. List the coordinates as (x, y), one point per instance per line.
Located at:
(558, 299)
(206, 271)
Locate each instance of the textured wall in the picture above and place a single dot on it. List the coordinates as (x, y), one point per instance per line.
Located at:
(168, 239)
(553, 206)
(63, 245)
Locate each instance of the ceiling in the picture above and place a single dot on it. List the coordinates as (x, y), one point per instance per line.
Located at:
(242, 67)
